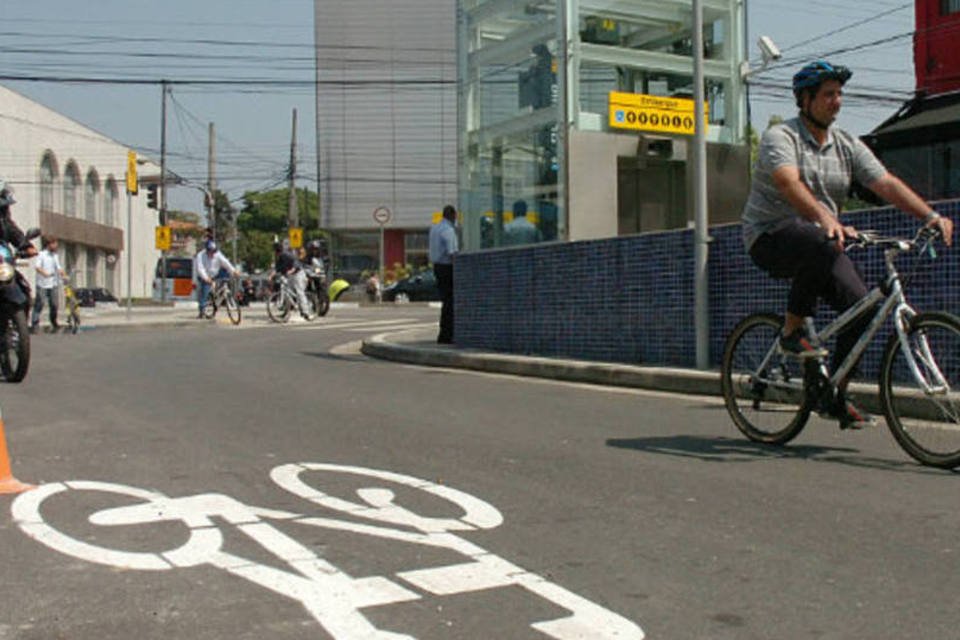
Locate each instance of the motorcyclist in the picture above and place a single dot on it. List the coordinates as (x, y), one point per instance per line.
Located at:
(314, 258)
(9, 231)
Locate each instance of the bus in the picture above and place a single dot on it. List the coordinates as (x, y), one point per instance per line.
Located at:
(180, 284)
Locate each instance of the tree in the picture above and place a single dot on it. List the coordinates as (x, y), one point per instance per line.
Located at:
(263, 217)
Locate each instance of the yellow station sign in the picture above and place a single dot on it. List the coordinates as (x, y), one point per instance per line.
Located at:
(642, 112)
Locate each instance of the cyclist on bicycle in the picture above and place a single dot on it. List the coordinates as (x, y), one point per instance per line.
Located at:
(804, 172)
(287, 264)
(211, 264)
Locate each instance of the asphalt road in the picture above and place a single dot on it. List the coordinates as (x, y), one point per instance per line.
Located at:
(620, 509)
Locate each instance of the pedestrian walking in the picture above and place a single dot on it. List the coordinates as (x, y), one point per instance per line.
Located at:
(443, 247)
(49, 274)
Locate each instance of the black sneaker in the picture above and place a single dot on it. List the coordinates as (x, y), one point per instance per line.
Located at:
(851, 416)
(799, 345)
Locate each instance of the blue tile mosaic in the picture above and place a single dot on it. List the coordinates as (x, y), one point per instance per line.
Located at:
(630, 299)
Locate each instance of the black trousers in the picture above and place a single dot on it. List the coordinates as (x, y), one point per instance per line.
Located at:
(818, 269)
(444, 273)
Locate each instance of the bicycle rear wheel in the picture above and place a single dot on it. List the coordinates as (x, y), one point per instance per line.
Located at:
(925, 421)
(762, 388)
(233, 309)
(210, 304)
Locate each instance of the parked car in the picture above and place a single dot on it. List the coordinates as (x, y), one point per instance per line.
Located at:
(89, 296)
(420, 287)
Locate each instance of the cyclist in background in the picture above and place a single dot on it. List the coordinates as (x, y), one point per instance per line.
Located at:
(287, 264)
(210, 264)
(791, 226)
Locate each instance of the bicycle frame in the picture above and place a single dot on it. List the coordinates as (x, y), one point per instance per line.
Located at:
(891, 300)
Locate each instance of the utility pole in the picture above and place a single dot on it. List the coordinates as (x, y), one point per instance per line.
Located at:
(163, 186)
(293, 216)
(211, 180)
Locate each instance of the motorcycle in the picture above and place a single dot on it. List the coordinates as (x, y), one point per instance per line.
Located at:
(317, 290)
(14, 306)
(246, 293)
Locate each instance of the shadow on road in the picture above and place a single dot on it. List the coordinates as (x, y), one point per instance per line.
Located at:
(722, 449)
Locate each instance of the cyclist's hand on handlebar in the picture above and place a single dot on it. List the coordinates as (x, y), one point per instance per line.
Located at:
(944, 225)
(834, 230)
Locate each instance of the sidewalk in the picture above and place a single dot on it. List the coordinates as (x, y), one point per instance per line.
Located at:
(420, 347)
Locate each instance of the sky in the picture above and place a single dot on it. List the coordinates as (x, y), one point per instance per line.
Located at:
(191, 43)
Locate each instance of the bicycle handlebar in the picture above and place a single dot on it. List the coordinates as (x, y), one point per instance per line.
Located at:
(924, 239)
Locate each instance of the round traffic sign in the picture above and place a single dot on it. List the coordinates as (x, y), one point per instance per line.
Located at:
(381, 215)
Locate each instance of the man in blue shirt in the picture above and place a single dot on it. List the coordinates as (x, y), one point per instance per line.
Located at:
(443, 246)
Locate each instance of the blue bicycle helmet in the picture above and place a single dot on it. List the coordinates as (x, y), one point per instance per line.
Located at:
(210, 245)
(816, 73)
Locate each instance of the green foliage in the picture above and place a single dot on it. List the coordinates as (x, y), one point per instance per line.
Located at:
(255, 249)
(263, 217)
(267, 211)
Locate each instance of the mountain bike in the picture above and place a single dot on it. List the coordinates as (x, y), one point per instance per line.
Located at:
(71, 306)
(770, 394)
(282, 299)
(221, 295)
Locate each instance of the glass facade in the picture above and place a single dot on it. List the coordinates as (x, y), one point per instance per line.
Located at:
(530, 73)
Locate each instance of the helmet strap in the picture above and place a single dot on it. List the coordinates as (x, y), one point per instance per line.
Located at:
(816, 123)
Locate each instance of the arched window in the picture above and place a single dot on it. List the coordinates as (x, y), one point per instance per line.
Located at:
(48, 178)
(71, 189)
(110, 198)
(91, 196)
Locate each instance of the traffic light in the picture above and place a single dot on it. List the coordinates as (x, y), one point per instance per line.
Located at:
(152, 196)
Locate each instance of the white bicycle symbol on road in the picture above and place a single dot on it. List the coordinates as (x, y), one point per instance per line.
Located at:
(332, 597)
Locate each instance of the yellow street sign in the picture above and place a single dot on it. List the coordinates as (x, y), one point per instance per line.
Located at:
(641, 112)
(296, 238)
(163, 238)
(132, 173)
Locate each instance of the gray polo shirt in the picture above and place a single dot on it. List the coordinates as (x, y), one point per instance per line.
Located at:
(828, 171)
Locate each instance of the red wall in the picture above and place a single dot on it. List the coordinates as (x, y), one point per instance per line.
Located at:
(393, 247)
(936, 55)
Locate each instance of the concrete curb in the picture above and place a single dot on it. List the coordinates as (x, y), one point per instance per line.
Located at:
(656, 378)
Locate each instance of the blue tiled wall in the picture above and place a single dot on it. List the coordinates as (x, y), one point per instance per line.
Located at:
(630, 299)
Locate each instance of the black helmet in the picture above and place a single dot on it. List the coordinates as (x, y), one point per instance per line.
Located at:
(6, 195)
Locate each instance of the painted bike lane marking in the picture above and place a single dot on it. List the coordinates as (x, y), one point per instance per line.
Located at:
(330, 595)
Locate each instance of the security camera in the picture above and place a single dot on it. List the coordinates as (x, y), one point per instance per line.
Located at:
(768, 49)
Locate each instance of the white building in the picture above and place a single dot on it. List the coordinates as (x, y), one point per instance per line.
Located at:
(70, 181)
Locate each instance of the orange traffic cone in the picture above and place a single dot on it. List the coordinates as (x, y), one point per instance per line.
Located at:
(8, 484)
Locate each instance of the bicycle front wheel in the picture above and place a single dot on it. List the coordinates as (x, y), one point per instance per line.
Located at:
(920, 389)
(278, 307)
(763, 388)
(233, 309)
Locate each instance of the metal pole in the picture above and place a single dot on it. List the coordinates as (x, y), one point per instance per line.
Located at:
(163, 186)
(700, 236)
(381, 257)
(129, 253)
(211, 179)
